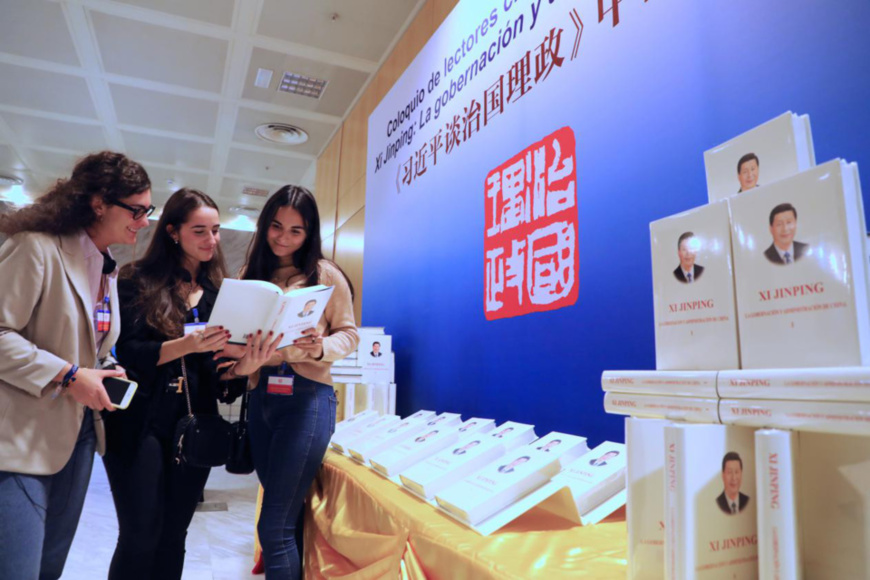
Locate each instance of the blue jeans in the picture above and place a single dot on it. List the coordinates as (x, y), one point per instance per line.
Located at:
(289, 437)
(39, 514)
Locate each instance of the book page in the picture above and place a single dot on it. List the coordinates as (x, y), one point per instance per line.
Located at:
(299, 310)
(243, 307)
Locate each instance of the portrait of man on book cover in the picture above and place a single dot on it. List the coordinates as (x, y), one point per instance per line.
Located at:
(376, 350)
(510, 467)
(783, 226)
(549, 445)
(747, 172)
(423, 438)
(308, 309)
(464, 449)
(601, 461)
(732, 501)
(687, 249)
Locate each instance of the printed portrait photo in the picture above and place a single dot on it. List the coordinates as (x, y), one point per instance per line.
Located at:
(785, 249)
(308, 309)
(732, 501)
(510, 467)
(687, 248)
(600, 461)
(747, 172)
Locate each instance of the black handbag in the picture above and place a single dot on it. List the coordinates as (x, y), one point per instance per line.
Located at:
(240, 460)
(200, 440)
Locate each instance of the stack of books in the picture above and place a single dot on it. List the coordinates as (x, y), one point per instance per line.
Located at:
(365, 379)
(762, 321)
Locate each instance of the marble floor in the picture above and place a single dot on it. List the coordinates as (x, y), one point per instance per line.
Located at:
(220, 544)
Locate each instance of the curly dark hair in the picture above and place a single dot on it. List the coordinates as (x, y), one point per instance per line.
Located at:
(160, 272)
(66, 208)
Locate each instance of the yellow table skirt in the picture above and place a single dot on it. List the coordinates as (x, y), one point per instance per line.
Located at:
(360, 526)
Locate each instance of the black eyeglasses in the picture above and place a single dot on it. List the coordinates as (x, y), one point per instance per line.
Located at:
(138, 211)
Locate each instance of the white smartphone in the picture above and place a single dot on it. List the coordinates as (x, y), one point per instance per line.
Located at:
(120, 391)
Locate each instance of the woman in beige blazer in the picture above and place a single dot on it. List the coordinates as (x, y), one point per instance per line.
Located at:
(56, 273)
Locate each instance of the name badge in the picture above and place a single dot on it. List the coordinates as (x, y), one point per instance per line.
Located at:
(279, 385)
(193, 327)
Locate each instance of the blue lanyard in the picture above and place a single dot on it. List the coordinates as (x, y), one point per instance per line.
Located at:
(196, 315)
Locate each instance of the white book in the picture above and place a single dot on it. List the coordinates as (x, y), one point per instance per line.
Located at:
(358, 419)
(345, 394)
(509, 478)
(672, 383)
(411, 451)
(693, 290)
(813, 384)
(595, 476)
(772, 151)
(645, 487)
(690, 409)
(800, 271)
(834, 505)
(391, 405)
(380, 370)
(818, 416)
(463, 458)
(340, 441)
(362, 449)
(246, 306)
(377, 397)
(710, 503)
(779, 540)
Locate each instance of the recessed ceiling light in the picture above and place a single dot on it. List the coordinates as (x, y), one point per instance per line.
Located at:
(7, 180)
(281, 133)
(255, 191)
(302, 85)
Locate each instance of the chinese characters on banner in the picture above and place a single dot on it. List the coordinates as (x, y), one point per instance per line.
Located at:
(530, 243)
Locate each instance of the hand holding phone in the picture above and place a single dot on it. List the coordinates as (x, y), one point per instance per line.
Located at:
(120, 391)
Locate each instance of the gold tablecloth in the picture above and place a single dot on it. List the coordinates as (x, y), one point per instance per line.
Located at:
(360, 526)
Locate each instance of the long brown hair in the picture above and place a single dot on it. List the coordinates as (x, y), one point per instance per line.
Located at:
(66, 208)
(160, 271)
(262, 263)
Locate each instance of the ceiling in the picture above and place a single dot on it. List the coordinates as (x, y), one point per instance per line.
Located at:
(171, 84)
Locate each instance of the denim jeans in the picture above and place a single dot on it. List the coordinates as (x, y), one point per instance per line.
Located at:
(289, 437)
(39, 514)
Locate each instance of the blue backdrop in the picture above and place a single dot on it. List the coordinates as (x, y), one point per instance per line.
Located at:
(674, 78)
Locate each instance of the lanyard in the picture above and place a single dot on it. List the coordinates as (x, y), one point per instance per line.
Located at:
(103, 313)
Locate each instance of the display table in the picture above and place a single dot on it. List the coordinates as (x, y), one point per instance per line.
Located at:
(362, 526)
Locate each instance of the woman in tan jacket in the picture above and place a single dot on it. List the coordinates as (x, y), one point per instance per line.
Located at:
(57, 278)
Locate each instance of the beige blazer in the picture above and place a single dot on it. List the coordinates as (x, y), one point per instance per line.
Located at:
(46, 321)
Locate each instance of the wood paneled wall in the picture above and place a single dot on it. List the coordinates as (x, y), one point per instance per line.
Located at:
(340, 185)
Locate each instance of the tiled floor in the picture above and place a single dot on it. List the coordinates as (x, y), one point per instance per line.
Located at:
(220, 545)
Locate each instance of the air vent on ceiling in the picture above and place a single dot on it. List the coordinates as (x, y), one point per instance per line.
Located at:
(302, 85)
(281, 133)
(255, 191)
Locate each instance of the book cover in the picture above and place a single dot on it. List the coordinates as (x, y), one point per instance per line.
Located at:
(779, 541)
(693, 290)
(507, 479)
(672, 383)
(800, 271)
(463, 458)
(690, 409)
(818, 416)
(340, 441)
(245, 306)
(595, 476)
(362, 449)
(397, 459)
(358, 419)
(774, 150)
(806, 384)
(645, 490)
(834, 505)
(710, 503)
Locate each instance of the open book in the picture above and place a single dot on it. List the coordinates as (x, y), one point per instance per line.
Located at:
(246, 306)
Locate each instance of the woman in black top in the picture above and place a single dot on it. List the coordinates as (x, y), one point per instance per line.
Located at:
(174, 285)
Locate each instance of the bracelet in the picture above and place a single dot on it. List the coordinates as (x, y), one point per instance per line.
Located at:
(69, 377)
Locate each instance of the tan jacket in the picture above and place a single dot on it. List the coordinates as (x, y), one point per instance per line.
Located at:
(46, 321)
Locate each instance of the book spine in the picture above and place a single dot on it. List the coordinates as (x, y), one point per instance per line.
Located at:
(675, 532)
(817, 416)
(689, 409)
(645, 476)
(808, 384)
(778, 534)
(670, 383)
